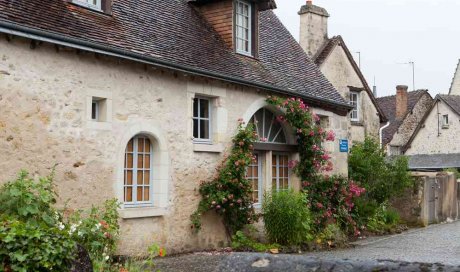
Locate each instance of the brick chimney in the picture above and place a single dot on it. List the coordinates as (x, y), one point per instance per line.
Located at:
(313, 27)
(401, 101)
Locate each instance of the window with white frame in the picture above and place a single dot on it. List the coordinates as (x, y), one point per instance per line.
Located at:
(93, 4)
(254, 175)
(138, 176)
(201, 119)
(243, 27)
(354, 101)
(280, 172)
(445, 121)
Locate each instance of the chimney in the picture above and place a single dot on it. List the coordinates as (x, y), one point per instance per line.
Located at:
(374, 91)
(401, 101)
(313, 27)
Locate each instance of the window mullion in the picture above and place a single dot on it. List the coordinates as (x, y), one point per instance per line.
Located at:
(135, 153)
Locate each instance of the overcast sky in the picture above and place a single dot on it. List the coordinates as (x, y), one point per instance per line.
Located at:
(389, 32)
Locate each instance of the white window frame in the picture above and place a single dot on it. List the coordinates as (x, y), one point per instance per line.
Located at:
(445, 121)
(249, 28)
(199, 118)
(277, 177)
(260, 186)
(356, 106)
(134, 170)
(85, 3)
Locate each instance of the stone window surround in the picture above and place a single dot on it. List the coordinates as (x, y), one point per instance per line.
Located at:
(106, 112)
(161, 175)
(219, 115)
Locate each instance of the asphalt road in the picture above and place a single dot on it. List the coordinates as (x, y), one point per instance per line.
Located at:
(438, 244)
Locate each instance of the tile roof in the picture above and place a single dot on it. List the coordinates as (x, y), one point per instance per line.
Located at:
(453, 101)
(173, 32)
(388, 106)
(324, 52)
(434, 161)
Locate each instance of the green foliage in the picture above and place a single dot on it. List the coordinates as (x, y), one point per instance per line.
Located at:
(31, 235)
(97, 230)
(331, 201)
(287, 218)
(383, 220)
(381, 178)
(28, 200)
(331, 235)
(229, 195)
(244, 243)
(453, 171)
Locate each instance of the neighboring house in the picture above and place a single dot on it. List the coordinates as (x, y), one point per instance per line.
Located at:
(337, 64)
(404, 110)
(455, 85)
(434, 145)
(139, 99)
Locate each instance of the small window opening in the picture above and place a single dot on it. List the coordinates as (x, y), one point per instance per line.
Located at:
(99, 109)
(445, 121)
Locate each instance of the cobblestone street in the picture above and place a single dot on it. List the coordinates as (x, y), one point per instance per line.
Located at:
(435, 244)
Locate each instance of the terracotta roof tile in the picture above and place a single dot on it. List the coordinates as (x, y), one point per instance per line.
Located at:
(175, 32)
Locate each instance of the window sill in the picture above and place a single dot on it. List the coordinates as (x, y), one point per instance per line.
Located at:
(445, 127)
(131, 213)
(357, 123)
(99, 125)
(210, 148)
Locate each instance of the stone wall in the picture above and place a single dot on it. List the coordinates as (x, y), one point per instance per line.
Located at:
(44, 95)
(339, 71)
(432, 138)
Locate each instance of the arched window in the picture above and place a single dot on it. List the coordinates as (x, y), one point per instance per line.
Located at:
(138, 169)
(268, 127)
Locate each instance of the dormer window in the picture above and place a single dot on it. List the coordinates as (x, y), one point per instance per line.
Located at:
(243, 27)
(92, 4)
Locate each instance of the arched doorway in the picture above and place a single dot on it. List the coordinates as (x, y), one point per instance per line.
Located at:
(273, 153)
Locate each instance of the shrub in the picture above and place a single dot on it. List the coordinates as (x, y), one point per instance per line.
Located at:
(287, 218)
(229, 195)
(97, 231)
(242, 242)
(331, 200)
(383, 220)
(331, 235)
(381, 177)
(32, 238)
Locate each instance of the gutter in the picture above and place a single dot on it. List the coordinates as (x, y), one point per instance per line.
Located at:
(45, 36)
(381, 133)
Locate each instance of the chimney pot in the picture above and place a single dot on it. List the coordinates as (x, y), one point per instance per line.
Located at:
(401, 101)
(309, 2)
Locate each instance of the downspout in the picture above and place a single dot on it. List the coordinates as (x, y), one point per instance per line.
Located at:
(381, 133)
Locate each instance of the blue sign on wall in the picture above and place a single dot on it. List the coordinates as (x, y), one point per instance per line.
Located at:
(343, 145)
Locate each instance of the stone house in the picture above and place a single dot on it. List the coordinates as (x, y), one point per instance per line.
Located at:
(434, 143)
(139, 100)
(404, 111)
(338, 65)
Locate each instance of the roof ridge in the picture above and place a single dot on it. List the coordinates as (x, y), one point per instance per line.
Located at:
(455, 74)
(419, 90)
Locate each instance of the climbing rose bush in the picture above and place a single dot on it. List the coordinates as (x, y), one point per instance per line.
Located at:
(229, 194)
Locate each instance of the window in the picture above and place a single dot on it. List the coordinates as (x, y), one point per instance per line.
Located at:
(93, 4)
(243, 27)
(445, 121)
(268, 128)
(95, 110)
(354, 101)
(280, 172)
(254, 175)
(98, 109)
(201, 120)
(138, 169)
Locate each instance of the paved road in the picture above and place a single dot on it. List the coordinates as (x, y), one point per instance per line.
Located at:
(434, 244)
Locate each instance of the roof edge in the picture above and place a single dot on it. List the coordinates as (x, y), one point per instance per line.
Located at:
(455, 75)
(46, 36)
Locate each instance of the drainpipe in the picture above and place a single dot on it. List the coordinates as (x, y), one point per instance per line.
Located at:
(381, 133)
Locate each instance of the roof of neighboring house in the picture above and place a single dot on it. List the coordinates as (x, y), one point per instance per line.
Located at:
(325, 51)
(388, 106)
(452, 101)
(455, 85)
(434, 161)
(173, 34)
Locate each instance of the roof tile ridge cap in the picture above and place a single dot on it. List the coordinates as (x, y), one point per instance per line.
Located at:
(323, 47)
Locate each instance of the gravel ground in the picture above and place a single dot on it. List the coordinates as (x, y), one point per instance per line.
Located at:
(435, 244)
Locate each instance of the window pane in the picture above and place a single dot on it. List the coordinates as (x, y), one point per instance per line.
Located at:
(204, 108)
(130, 146)
(129, 194)
(146, 194)
(140, 161)
(94, 110)
(140, 144)
(139, 193)
(147, 145)
(129, 177)
(129, 161)
(195, 107)
(147, 161)
(147, 177)
(204, 129)
(140, 177)
(196, 129)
